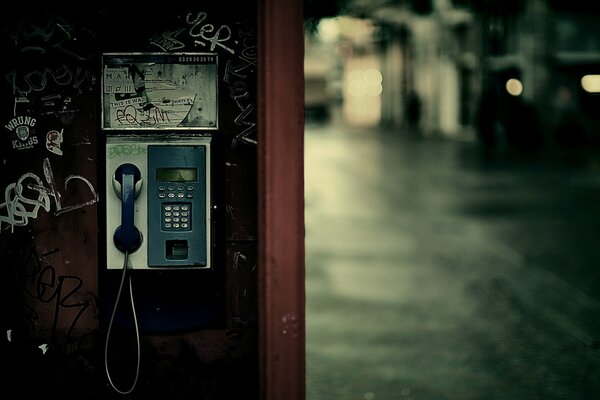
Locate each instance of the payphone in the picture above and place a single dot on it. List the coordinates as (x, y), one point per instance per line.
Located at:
(158, 200)
(157, 110)
(158, 213)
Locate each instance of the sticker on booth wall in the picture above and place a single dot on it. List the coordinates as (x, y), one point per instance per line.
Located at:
(54, 139)
(23, 135)
(158, 91)
(118, 80)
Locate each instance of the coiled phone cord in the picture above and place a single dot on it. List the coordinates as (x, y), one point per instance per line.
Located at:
(137, 331)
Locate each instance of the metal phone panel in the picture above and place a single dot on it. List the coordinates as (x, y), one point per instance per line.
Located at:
(176, 204)
(149, 212)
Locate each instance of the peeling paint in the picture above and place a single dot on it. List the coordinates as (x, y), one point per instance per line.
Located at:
(290, 325)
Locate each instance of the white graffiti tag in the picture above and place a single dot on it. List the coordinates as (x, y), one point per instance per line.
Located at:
(24, 198)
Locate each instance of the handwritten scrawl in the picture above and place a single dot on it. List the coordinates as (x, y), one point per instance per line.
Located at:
(53, 141)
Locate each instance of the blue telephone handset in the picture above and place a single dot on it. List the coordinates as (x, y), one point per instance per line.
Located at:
(127, 182)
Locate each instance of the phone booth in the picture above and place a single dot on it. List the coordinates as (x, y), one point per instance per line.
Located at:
(147, 161)
(159, 113)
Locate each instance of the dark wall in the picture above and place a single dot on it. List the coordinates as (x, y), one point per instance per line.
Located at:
(56, 292)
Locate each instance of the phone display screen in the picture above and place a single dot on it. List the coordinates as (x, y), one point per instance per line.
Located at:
(176, 174)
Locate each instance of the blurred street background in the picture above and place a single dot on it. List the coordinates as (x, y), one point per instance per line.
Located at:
(452, 178)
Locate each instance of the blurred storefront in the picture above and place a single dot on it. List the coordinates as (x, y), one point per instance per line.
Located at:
(511, 74)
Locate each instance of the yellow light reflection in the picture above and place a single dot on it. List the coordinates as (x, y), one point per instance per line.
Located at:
(328, 29)
(514, 87)
(591, 83)
(373, 76)
(365, 82)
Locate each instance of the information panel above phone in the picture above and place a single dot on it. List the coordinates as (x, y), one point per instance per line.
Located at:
(159, 91)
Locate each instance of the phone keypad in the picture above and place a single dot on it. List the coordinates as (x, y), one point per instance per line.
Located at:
(176, 216)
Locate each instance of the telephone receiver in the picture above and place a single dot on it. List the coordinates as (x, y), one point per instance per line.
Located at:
(127, 183)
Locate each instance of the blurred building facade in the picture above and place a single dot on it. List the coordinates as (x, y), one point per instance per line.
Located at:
(511, 74)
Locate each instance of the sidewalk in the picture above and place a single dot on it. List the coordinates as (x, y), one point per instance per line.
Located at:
(431, 275)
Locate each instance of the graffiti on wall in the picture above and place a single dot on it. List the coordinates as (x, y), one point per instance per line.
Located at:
(237, 77)
(47, 288)
(239, 49)
(38, 80)
(51, 34)
(47, 94)
(24, 198)
(47, 78)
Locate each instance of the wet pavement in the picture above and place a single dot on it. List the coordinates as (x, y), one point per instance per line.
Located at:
(433, 272)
